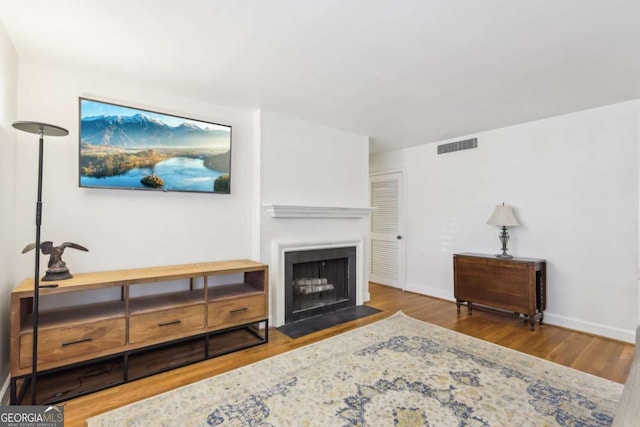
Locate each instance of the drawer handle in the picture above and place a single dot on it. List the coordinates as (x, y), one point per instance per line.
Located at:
(173, 322)
(239, 310)
(64, 344)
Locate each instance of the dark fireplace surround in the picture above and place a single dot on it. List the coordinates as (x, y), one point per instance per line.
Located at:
(319, 281)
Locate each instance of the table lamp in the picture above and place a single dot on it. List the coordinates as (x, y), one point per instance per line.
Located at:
(503, 217)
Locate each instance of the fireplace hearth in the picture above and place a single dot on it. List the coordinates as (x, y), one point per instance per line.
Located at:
(319, 281)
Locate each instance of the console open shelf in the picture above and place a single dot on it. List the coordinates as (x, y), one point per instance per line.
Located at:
(149, 303)
(233, 291)
(73, 315)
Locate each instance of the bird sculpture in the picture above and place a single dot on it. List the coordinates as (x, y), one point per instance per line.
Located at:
(57, 268)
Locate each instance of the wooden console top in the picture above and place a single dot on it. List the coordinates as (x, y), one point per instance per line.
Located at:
(107, 279)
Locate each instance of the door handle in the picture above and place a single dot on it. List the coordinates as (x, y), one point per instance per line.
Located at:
(399, 237)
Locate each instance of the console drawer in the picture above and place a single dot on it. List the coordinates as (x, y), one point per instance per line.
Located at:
(237, 310)
(59, 343)
(164, 323)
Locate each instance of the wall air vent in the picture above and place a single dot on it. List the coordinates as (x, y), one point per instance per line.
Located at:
(458, 145)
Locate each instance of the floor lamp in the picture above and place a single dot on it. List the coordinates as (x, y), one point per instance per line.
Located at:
(41, 129)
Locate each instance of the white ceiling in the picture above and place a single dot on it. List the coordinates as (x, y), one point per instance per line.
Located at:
(405, 72)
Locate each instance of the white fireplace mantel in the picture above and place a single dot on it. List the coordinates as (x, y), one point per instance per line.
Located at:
(299, 211)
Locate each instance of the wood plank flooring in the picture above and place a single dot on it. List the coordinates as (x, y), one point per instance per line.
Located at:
(596, 355)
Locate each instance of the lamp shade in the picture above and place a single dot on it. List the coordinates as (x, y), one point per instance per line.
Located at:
(39, 127)
(503, 217)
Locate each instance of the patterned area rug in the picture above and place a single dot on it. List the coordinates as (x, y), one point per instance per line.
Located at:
(395, 372)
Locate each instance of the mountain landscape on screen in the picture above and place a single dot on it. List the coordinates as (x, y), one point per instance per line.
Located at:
(143, 131)
(131, 148)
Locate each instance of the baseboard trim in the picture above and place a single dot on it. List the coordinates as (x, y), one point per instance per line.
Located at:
(4, 392)
(619, 334)
(429, 291)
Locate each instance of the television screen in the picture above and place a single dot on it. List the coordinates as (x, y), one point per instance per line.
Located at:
(130, 148)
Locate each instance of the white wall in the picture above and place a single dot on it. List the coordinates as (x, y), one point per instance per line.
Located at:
(639, 226)
(304, 163)
(573, 181)
(123, 228)
(309, 164)
(8, 105)
(387, 162)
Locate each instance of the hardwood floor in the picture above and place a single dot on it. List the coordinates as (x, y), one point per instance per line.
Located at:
(596, 355)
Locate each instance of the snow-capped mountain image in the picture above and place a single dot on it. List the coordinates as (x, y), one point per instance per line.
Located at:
(140, 130)
(124, 147)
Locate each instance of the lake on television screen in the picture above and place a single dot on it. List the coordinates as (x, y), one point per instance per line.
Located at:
(178, 174)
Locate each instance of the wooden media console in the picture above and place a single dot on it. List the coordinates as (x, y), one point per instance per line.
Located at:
(157, 319)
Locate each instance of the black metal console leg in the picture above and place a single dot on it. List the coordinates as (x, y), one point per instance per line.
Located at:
(26, 382)
(13, 397)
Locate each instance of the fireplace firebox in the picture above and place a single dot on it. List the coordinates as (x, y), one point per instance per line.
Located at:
(319, 281)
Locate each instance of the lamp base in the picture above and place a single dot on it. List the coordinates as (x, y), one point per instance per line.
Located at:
(504, 238)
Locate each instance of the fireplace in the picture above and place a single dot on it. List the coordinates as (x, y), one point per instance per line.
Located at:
(319, 281)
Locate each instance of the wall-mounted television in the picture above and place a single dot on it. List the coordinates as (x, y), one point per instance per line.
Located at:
(131, 148)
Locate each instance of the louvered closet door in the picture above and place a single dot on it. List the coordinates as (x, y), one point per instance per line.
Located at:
(387, 239)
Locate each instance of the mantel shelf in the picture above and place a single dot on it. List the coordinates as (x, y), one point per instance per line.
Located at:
(298, 211)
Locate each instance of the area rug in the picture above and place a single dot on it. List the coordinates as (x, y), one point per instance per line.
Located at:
(396, 372)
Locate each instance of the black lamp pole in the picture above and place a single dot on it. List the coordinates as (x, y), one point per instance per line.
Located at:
(52, 130)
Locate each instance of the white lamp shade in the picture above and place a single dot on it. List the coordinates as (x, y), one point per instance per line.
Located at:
(503, 217)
